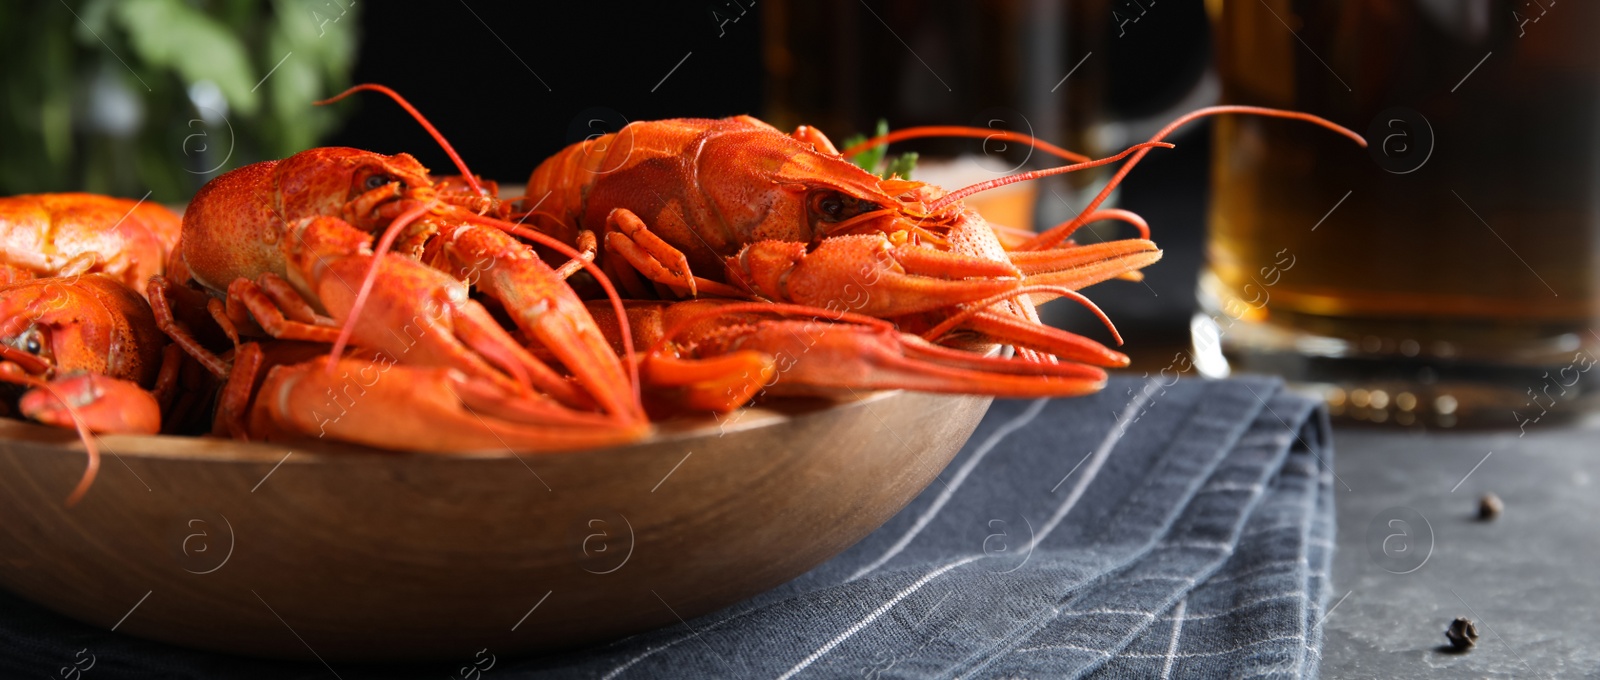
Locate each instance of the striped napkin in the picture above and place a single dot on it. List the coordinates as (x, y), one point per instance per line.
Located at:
(1152, 530)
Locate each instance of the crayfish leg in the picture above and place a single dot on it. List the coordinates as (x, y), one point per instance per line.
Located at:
(588, 246)
(628, 238)
(272, 318)
(178, 321)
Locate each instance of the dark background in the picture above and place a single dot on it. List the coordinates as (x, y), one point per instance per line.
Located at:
(512, 83)
(502, 117)
(470, 67)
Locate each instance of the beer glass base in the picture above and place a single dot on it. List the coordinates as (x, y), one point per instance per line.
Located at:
(1391, 381)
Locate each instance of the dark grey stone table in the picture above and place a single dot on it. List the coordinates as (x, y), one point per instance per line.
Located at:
(1530, 579)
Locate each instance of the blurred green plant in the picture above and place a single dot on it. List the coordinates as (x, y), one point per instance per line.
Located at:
(877, 160)
(127, 96)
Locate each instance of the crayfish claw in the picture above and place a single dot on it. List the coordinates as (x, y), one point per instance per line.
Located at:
(447, 411)
(1079, 266)
(867, 274)
(107, 405)
(818, 358)
(717, 384)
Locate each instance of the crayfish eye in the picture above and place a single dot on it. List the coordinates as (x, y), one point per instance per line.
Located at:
(32, 342)
(832, 206)
(378, 181)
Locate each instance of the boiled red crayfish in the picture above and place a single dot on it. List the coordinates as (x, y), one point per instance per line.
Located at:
(286, 250)
(46, 235)
(735, 208)
(75, 332)
(777, 263)
(96, 342)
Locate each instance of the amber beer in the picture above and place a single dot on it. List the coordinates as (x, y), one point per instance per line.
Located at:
(1448, 270)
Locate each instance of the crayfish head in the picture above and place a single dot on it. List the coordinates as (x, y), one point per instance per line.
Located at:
(766, 185)
(354, 185)
(232, 227)
(361, 187)
(35, 314)
(88, 323)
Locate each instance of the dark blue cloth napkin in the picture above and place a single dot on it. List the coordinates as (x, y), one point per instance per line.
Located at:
(1151, 530)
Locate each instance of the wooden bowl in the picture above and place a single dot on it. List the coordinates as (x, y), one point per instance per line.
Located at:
(356, 554)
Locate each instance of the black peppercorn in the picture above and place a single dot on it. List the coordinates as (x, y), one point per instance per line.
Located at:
(1462, 633)
(1490, 507)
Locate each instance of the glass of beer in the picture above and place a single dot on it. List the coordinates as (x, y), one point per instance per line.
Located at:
(1443, 276)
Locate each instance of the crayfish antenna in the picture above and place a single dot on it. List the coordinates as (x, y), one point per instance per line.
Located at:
(1128, 216)
(13, 374)
(1021, 236)
(972, 310)
(1140, 149)
(1056, 235)
(471, 179)
(986, 134)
